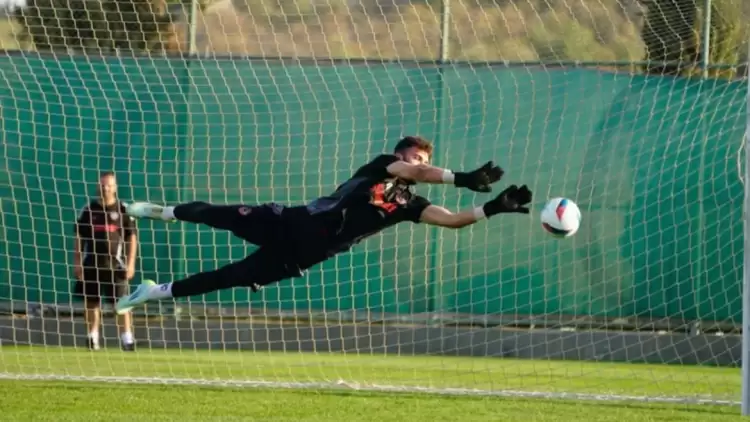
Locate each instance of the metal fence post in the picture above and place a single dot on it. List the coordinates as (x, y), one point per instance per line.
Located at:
(745, 354)
(192, 27)
(706, 43)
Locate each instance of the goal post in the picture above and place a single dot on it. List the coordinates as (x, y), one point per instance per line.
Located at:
(745, 405)
(263, 101)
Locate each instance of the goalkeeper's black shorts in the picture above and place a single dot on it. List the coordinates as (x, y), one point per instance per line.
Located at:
(290, 241)
(101, 285)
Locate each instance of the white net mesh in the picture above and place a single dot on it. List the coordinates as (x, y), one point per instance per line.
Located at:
(283, 100)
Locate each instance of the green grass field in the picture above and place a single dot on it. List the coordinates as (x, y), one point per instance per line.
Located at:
(93, 401)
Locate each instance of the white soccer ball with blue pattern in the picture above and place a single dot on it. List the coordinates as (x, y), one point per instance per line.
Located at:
(561, 217)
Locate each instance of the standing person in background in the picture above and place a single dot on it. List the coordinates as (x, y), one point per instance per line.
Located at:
(104, 259)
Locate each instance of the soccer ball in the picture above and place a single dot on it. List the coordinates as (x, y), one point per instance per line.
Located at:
(561, 217)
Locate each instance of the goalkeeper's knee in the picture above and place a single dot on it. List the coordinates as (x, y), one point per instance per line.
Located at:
(191, 212)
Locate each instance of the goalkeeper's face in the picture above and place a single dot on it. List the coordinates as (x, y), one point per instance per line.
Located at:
(415, 155)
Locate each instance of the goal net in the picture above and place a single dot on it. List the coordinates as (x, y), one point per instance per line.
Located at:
(264, 101)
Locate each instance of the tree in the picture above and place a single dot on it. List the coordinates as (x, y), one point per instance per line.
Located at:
(97, 26)
(674, 29)
(669, 37)
(728, 37)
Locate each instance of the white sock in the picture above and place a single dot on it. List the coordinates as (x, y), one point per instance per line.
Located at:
(167, 213)
(161, 291)
(127, 337)
(94, 336)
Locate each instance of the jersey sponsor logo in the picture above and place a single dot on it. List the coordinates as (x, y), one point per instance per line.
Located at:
(389, 195)
(109, 228)
(378, 197)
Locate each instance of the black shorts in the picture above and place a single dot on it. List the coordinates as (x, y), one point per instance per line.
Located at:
(262, 225)
(291, 240)
(102, 285)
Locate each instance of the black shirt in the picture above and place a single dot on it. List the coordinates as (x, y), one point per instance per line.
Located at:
(103, 231)
(369, 202)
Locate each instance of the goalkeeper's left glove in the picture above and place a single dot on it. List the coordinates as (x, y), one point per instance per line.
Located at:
(479, 180)
(513, 199)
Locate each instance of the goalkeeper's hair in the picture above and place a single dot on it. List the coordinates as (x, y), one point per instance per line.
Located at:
(414, 142)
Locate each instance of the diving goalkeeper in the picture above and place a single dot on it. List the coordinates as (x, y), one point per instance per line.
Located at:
(292, 239)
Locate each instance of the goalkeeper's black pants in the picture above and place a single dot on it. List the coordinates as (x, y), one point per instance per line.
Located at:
(259, 225)
(275, 260)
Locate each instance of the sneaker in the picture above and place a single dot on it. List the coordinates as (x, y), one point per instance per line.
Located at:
(147, 210)
(93, 345)
(139, 296)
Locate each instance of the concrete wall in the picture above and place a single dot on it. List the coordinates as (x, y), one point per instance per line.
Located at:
(603, 346)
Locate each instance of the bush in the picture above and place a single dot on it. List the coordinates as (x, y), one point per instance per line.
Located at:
(96, 26)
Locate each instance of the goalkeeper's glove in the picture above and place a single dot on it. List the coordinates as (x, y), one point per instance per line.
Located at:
(480, 179)
(513, 199)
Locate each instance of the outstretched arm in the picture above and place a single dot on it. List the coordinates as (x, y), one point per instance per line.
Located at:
(423, 173)
(438, 216)
(511, 200)
(478, 180)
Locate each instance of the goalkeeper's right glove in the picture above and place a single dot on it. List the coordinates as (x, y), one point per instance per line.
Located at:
(479, 180)
(512, 200)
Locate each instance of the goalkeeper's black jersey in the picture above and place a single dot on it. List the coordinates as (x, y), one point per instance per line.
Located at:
(369, 202)
(103, 231)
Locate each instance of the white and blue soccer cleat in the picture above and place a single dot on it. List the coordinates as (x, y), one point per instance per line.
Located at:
(141, 295)
(149, 211)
